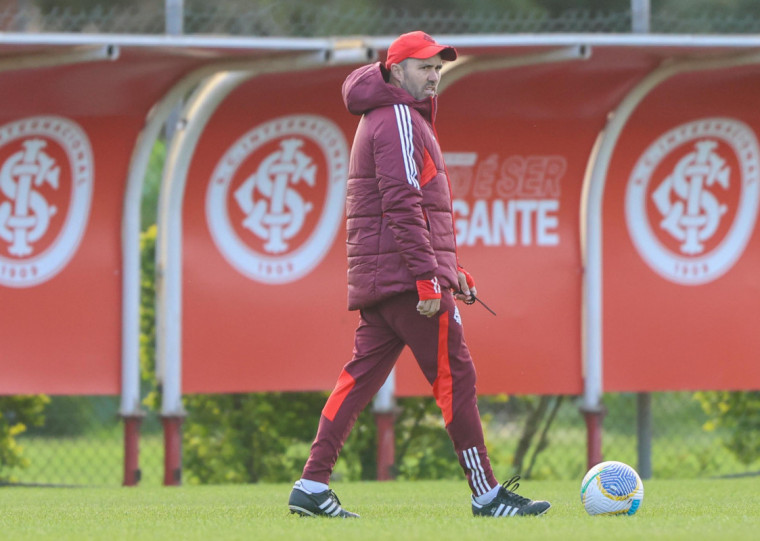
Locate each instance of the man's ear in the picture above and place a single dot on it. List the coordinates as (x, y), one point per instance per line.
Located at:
(397, 71)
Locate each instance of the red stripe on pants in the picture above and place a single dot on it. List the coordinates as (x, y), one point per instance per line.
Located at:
(442, 387)
(342, 388)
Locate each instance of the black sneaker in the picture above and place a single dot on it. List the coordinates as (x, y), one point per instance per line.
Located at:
(508, 504)
(320, 504)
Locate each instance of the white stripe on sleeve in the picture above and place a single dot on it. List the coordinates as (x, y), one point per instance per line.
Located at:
(404, 124)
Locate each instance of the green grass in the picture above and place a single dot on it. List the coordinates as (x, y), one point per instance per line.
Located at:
(437, 510)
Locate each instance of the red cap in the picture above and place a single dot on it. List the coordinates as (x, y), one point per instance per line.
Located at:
(417, 44)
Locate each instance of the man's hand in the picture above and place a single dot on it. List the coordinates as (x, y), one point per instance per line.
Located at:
(429, 292)
(429, 308)
(466, 293)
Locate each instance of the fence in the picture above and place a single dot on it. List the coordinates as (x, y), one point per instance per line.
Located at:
(311, 19)
(81, 443)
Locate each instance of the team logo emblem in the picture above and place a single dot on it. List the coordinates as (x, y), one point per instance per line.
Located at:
(457, 315)
(46, 177)
(275, 200)
(692, 199)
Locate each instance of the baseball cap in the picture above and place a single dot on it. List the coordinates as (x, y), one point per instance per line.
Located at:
(417, 44)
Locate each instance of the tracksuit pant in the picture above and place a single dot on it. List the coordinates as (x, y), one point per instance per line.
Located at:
(438, 346)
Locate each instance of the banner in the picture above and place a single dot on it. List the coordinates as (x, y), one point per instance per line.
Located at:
(264, 298)
(66, 138)
(264, 268)
(681, 243)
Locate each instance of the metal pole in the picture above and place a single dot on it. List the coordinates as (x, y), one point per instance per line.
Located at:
(640, 16)
(132, 450)
(175, 10)
(174, 13)
(640, 19)
(644, 434)
(174, 17)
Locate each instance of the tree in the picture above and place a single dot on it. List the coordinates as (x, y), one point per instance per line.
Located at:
(16, 414)
(738, 413)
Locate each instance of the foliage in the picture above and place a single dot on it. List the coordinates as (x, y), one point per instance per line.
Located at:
(148, 315)
(242, 438)
(151, 186)
(424, 450)
(16, 413)
(543, 410)
(552, 6)
(739, 414)
(557, 7)
(80, 5)
(66, 416)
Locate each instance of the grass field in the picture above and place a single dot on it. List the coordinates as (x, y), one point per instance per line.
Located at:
(435, 510)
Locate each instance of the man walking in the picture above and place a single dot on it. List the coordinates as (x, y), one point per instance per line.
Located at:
(403, 276)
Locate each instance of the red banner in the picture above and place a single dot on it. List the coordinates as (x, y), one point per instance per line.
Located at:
(681, 241)
(264, 269)
(264, 287)
(66, 137)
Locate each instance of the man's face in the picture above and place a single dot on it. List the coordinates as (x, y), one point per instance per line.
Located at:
(420, 77)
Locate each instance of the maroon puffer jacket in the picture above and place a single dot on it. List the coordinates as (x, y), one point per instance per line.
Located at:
(398, 205)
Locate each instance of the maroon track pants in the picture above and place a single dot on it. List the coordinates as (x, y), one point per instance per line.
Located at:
(439, 347)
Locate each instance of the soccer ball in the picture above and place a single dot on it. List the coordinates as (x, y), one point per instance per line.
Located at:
(612, 488)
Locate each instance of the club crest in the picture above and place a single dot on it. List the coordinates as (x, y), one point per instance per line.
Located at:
(46, 180)
(275, 199)
(692, 198)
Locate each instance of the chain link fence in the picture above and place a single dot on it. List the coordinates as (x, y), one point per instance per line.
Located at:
(81, 441)
(316, 19)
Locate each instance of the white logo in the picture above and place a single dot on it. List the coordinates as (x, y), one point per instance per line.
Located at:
(692, 199)
(436, 285)
(457, 316)
(46, 176)
(280, 174)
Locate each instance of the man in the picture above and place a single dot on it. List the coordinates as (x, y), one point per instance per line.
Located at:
(403, 276)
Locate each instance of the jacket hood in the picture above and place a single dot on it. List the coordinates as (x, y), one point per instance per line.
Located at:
(366, 88)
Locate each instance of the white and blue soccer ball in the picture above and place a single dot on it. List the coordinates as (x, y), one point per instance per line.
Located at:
(612, 488)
